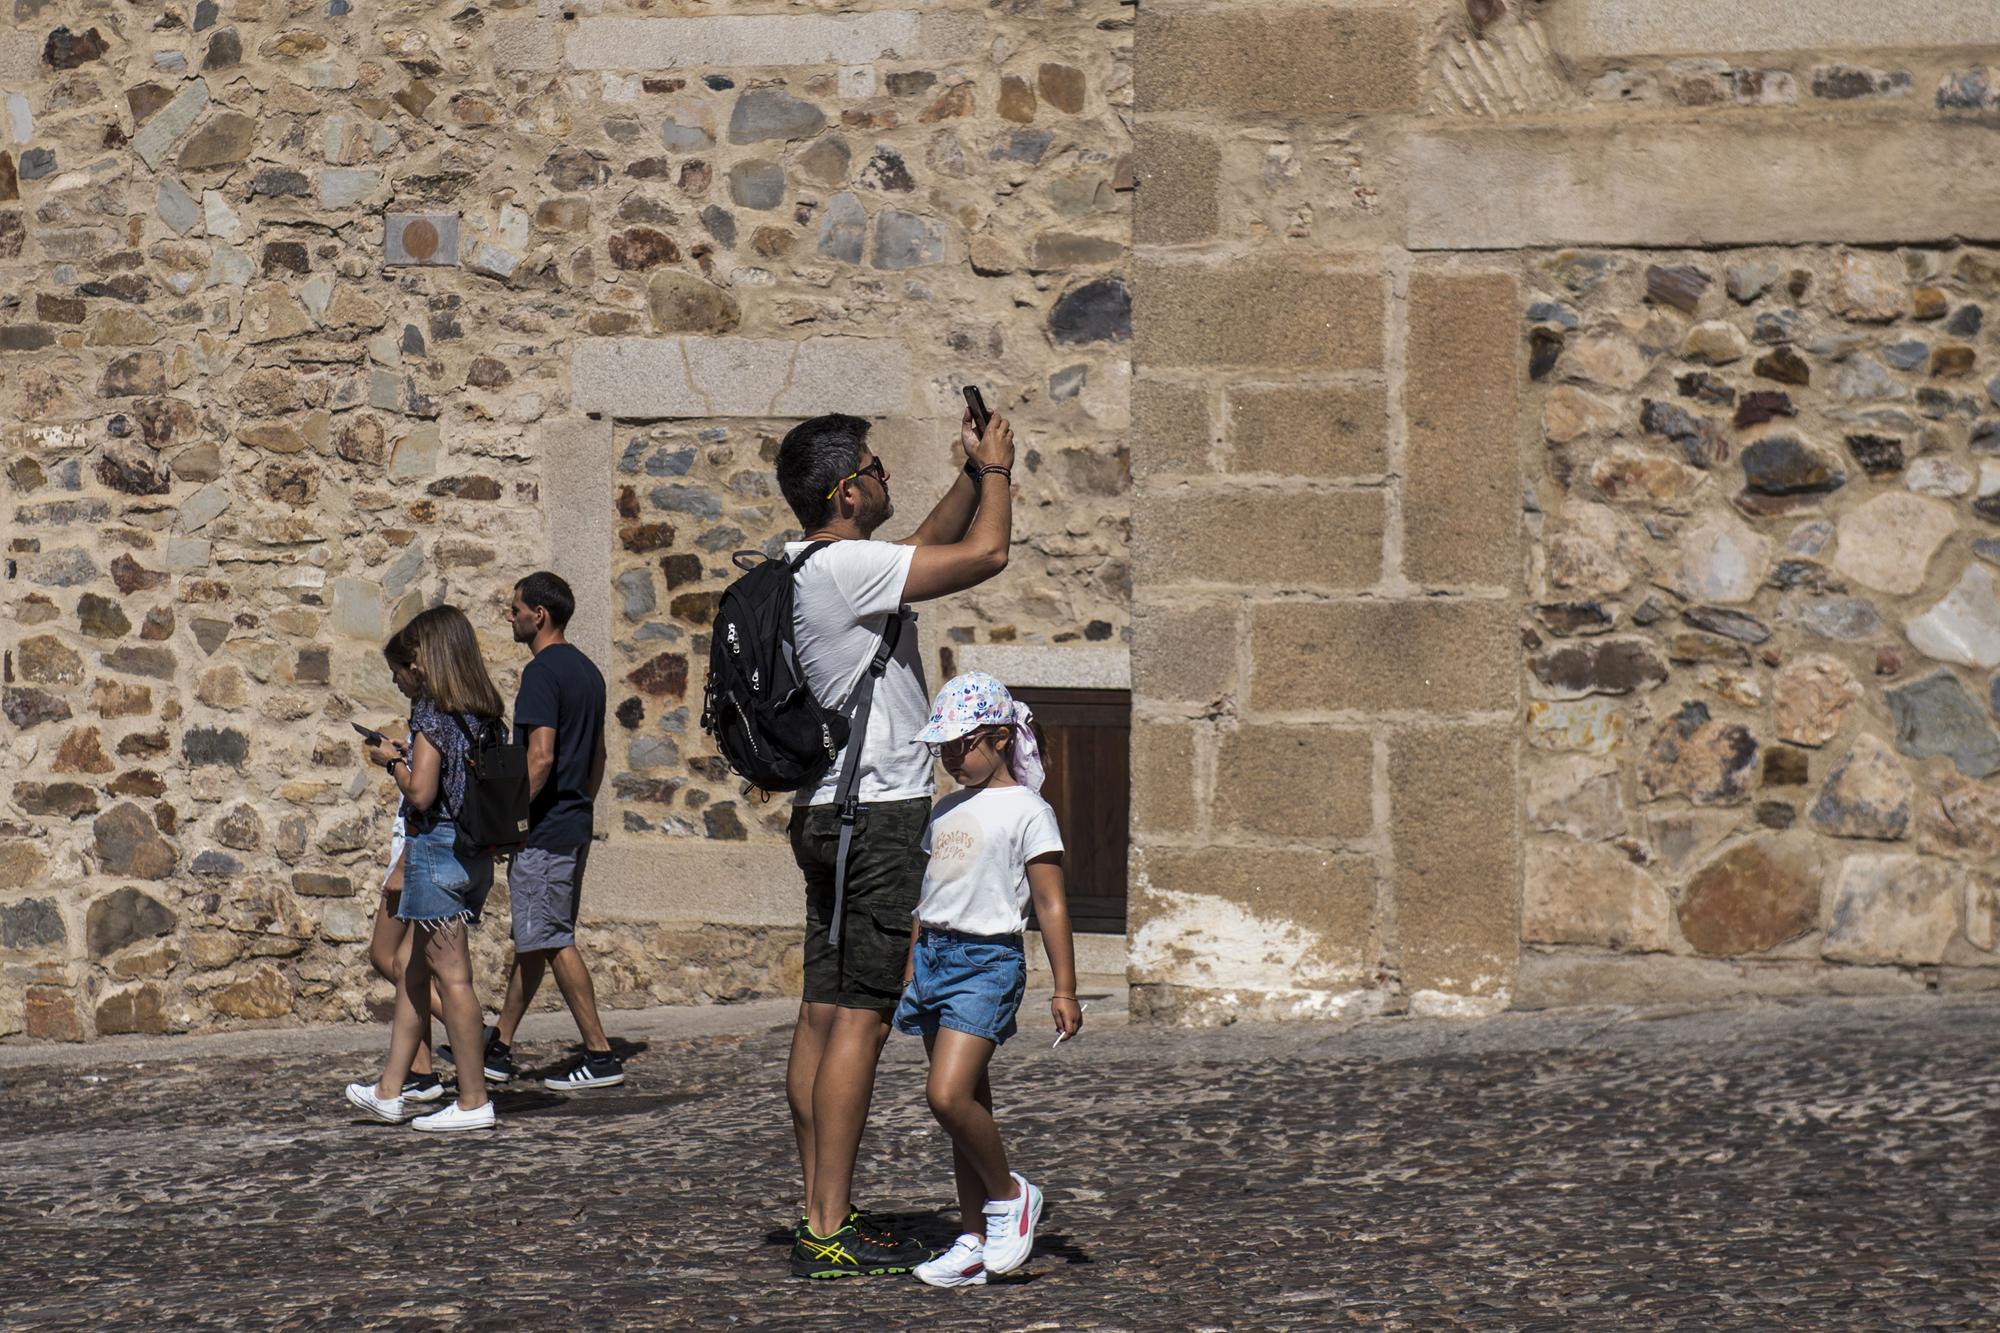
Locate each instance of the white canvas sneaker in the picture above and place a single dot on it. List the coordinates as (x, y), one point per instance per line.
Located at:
(389, 1110)
(454, 1118)
(1010, 1227)
(963, 1265)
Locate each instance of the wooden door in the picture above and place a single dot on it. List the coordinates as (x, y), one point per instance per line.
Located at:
(1086, 739)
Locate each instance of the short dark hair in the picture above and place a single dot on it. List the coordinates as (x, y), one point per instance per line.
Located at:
(543, 591)
(814, 458)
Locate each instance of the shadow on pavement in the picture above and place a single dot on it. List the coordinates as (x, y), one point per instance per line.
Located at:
(928, 1225)
(1057, 1245)
(606, 1104)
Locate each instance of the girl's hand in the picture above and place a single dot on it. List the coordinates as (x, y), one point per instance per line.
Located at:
(1068, 1015)
(382, 752)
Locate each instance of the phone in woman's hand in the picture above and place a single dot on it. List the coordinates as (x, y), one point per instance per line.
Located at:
(372, 737)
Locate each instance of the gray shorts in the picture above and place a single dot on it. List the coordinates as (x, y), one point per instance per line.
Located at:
(543, 888)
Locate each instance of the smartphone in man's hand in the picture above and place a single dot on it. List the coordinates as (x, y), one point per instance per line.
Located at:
(977, 405)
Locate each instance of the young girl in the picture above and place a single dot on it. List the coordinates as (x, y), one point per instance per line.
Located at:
(442, 895)
(994, 845)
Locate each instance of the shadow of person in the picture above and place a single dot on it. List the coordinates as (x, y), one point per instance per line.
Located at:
(511, 1102)
(935, 1227)
(1048, 1245)
(1058, 1245)
(609, 1104)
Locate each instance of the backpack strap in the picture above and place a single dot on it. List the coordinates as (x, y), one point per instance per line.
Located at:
(749, 560)
(471, 742)
(465, 731)
(850, 772)
(808, 554)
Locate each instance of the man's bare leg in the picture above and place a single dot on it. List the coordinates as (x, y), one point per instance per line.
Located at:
(808, 1047)
(524, 978)
(573, 979)
(842, 1088)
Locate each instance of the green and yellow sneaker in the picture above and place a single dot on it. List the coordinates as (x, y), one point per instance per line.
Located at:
(872, 1228)
(851, 1252)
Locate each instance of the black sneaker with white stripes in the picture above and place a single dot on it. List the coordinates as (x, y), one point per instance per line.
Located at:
(486, 1037)
(422, 1088)
(499, 1064)
(593, 1069)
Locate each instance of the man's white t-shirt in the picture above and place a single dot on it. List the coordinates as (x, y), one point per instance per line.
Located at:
(980, 843)
(840, 606)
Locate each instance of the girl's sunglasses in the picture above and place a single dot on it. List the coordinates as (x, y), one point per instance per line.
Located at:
(873, 469)
(962, 745)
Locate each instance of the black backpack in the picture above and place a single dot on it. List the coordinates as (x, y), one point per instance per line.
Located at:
(759, 709)
(757, 706)
(492, 820)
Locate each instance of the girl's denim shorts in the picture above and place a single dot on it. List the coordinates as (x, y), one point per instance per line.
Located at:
(968, 983)
(437, 886)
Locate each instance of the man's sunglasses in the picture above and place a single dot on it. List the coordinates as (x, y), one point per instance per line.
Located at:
(873, 469)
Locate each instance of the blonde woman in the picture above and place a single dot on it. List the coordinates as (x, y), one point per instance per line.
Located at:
(443, 894)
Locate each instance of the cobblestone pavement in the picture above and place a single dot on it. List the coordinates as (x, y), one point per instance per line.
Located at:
(1832, 1165)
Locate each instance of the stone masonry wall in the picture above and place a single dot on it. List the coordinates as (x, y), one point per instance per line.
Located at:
(1566, 445)
(1763, 673)
(318, 313)
(1559, 560)
(1326, 554)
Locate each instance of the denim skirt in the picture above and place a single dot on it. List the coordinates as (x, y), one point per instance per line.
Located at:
(438, 887)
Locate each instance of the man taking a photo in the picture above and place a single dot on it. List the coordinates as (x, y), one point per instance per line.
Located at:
(845, 597)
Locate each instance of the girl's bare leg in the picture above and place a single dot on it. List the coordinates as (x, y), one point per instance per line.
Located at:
(961, 1098)
(972, 1195)
(412, 1022)
(448, 958)
(390, 938)
(389, 953)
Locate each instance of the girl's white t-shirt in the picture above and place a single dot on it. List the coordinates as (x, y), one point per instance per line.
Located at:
(980, 842)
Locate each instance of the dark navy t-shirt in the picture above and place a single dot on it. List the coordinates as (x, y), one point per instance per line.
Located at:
(562, 688)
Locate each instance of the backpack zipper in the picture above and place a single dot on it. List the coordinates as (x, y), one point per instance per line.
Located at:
(749, 732)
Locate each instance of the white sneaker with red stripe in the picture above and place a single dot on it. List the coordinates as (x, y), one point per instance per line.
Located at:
(1010, 1227)
(963, 1265)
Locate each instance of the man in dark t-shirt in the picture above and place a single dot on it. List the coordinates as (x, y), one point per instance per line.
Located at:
(559, 719)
